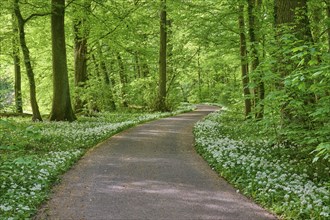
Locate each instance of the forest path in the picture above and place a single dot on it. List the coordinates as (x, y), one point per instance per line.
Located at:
(151, 171)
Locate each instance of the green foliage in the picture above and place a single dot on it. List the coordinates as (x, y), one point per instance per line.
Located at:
(141, 92)
(6, 93)
(322, 150)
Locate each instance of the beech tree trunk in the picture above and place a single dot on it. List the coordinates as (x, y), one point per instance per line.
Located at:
(81, 32)
(161, 105)
(244, 64)
(107, 82)
(61, 106)
(27, 61)
(199, 72)
(80, 66)
(291, 20)
(123, 80)
(259, 90)
(17, 68)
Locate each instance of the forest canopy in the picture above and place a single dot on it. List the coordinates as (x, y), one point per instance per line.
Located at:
(268, 60)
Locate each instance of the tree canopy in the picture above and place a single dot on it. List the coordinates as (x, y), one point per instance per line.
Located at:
(267, 59)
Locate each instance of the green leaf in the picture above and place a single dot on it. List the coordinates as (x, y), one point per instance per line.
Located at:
(323, 151)
(8, 147)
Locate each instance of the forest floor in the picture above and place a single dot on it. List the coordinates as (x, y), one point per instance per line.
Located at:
(151, 171)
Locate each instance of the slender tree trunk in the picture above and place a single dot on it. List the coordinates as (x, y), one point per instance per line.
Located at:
(81, 32)
(253, 35)
(61, 107)
(161, 105)
(317, 17)
(169, 53)
(27, 61)
(17, 68)
(244, 64)
(328, 14)
(137, 64)
(123, 80)
(80, 66)
(259, 90)
(109, 84)
(261, 84)
(199, 72)
(145, 69)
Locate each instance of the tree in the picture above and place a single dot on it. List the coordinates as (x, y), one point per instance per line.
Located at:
(259, 90)
(17, 67)
(61, 106)
(27, 60)
(123, 80)
(161, 105)
(81, 31)
(293, 34)
(244, 63)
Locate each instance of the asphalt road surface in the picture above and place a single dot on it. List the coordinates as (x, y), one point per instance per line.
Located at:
(151, 171)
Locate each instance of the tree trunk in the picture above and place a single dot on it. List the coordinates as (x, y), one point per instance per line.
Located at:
(145, 69)
(199, 72)
(81, 31)
(328, 14)
(169, 53)
(244, 64)
(161, 105)
(291, 20)
(123, 80)
(61, 107)
(17, 68)
(293, 13)
(137, 64)
(107, 82)
(317, 17)
(27, 61)
(259, 90)
(80, 66)
(290, 14)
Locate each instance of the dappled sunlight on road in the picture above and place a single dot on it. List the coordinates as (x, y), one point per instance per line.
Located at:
(150, 171)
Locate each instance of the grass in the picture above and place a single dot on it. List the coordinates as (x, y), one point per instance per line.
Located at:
(34, 155)
(281, 178)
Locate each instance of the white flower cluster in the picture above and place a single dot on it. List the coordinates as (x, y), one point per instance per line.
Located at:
(88, 133)
(22, 186)
(252, 167)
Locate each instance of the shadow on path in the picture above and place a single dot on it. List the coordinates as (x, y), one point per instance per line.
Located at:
(150, 171)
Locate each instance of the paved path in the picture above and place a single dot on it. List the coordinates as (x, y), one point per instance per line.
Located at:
(148, 172)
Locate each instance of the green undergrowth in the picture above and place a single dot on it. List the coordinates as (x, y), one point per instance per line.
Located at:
(281, 177)
(34, 154)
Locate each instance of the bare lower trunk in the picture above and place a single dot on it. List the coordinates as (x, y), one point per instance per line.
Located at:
(161, 105)
(61, 107)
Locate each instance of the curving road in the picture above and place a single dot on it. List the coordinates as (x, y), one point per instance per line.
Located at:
(150, 171)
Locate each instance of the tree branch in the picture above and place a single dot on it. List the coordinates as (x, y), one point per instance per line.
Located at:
(36, 15)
